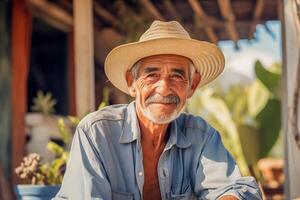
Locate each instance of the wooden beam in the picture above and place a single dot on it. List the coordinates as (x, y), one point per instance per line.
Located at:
(222, 23)
(152, 9)
(71, 75)
(66, 4)
(211, 34)
(104, 14)
(172, 10)
(226, 10)
(125, 11)
(105, 40)
(52, 22)
(197, 8)
(227, 13)
(84, 56)
(21, 40)
(259, 8)
(174, 13)
(51, 13)
(200, 13)
(258, 11)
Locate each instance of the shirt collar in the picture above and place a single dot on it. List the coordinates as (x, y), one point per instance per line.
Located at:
(177, 136)
(131, 130)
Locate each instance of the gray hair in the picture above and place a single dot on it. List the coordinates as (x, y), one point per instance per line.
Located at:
(136, 67)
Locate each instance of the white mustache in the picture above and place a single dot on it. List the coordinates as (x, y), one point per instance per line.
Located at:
(157, 98)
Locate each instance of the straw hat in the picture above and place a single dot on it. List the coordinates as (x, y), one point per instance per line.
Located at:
(164, 38)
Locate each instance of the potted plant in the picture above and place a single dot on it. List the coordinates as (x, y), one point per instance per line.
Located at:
(41, 125)
(43, 180)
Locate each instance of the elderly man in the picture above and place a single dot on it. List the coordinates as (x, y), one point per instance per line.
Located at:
(149, 149)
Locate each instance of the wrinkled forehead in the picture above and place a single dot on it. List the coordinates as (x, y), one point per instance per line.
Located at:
(161, 61)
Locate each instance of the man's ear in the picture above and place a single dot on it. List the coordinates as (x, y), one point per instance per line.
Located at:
(129, 80)
(195, 82)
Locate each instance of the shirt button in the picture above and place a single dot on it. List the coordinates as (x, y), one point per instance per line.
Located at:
(164, 173)
(140, 173)
(244, 189)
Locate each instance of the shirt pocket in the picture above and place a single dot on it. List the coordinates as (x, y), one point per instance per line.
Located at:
(116, 195)
(181, 190)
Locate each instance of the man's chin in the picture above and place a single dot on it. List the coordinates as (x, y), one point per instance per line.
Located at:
(161, 120)
(161, 117)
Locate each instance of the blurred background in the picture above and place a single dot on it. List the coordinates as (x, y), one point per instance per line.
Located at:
(52, 54)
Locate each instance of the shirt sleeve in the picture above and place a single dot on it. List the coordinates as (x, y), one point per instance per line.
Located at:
(85, 176)
(218, 175)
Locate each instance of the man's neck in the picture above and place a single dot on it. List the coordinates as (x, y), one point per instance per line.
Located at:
(152, 133)
(151, 128)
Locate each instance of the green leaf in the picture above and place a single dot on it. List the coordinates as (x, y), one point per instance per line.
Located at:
(66, 136)
(55, 148)
(105, 101)
(57, 164)
(102, 105)
(257, 98)
(44, 103)
(220, 116)
(106, 94)
(250, 140)
(74, 120)
(270, 124)
(239, 107)
(270, 79)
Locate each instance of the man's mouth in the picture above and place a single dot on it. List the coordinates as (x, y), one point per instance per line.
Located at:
(164, 103)
(159, 99)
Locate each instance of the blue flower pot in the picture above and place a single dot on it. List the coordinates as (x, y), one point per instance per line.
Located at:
(36, 192)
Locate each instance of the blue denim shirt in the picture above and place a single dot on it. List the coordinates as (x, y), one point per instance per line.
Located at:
(106, 160)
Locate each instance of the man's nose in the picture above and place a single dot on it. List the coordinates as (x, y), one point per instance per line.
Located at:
(164, 86)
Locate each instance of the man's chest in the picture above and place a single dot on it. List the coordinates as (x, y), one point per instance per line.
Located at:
(130, 170)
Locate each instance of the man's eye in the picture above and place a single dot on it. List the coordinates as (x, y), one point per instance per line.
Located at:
(152, 75)
(177, 76)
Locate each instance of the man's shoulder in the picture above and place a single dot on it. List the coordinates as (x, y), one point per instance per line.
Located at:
(194, 122)
(109, 113)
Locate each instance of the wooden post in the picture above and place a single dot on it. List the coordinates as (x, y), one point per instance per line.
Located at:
(291, 63)
(71, 74)
(5, 187)
(21, 40)
(84, 56)
(5, 92)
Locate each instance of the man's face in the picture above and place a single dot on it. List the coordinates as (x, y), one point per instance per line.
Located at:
(162, 87)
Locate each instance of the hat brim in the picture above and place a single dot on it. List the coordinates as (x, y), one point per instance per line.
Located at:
(207, 58)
